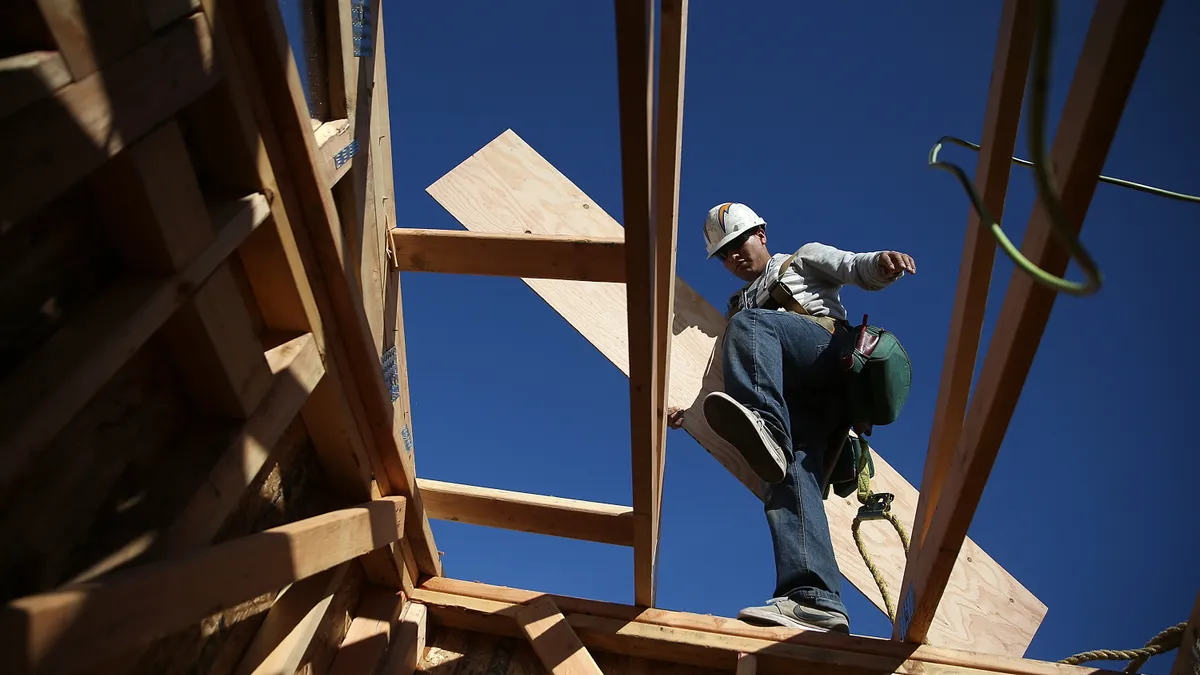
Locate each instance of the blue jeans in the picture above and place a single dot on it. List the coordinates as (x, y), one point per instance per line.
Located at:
(776, 363)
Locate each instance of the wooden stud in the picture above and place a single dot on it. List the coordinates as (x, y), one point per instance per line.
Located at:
(290, 624)
(102, 619)
(635, 76)
(28, 78)
(1187, 661)
(539, 514)
(60, 378)
(333, 140)
(408, 646)
(260, 28)
(1014, 47)
(511, 255)
(1112, 53)
(665, 212)
(53, 144)
(553, 640)
(370, 634)
(747, 664)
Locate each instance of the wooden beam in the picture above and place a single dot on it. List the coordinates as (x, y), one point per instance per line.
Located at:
(1187, 661)
(665, 209)
(367, 640)
(408, 646)
(102, 619)
(715, 642)
(60, 378)
(635, 88)
(1014, 47)
(279, 275)
(539, 514)
(90, 36)
(747, 664)
(261, 49)
(53, 144)
(1107, 67)
(509, 255)
(333, 140)
(552, 639)
(28, 78)
(475, 194)
(290, 624)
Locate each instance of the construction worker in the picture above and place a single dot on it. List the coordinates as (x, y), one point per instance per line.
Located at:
(779, 404)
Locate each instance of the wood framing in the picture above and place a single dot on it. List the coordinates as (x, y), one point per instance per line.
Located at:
(552, 638)
(99, 620)
(477, 192)
(541, 514)
(1112, 53)
(1014, 47)
(709, 641)
(262, 41)
(455, 252)
(369, 636)
(635, 75)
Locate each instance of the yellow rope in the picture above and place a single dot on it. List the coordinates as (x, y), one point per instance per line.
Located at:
(1159, 644)
(862, 548)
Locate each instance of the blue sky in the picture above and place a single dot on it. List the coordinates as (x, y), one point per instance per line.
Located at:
(820, 116)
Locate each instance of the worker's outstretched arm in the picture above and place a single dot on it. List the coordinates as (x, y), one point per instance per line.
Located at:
(869, 271)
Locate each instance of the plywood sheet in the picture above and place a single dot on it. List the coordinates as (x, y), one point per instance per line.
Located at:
(507, 187)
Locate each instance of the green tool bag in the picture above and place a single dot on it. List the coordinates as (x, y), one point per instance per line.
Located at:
(878, 376)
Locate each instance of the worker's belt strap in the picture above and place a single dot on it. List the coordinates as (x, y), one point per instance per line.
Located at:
(784, 298)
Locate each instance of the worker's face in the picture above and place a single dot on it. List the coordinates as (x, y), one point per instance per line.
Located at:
(746, 257)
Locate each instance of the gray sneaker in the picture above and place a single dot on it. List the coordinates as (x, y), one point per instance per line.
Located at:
(786, 612)
(746, 431)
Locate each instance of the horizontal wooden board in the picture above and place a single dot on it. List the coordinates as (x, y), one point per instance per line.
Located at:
(508, 187)
(539, 514)
(509, 255)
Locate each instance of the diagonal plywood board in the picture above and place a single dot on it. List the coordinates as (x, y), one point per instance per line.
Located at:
(507, 187)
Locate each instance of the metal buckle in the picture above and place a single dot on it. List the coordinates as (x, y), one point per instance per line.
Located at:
(877, 505)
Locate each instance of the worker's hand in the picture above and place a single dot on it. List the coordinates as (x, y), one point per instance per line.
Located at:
(675, 418)
(892, 263)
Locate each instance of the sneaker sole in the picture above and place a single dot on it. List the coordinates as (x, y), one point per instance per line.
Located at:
(753, 616)
(730, 423)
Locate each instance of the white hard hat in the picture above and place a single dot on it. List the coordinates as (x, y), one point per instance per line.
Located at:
(725, 222)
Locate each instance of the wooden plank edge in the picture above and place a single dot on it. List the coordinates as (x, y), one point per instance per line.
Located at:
(553, 640)
(524, 512)
(508, 255)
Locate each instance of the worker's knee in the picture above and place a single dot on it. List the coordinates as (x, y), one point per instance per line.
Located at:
(741, 325)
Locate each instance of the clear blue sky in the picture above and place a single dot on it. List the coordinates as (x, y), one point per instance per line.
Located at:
(820, 116)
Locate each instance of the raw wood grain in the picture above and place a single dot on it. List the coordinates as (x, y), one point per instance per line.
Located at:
(509, 255)
(30, 77)
(553, 640)
(508, 187)
(541, 514)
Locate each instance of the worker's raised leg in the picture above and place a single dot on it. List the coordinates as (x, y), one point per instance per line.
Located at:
(767, 355)
(808, 587)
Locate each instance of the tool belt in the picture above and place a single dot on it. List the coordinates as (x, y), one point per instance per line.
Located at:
(778, 296)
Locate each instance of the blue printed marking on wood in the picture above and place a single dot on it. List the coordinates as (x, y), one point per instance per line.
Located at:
(360, 20)
(345, 154)
(406, 435)
(907, 608)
